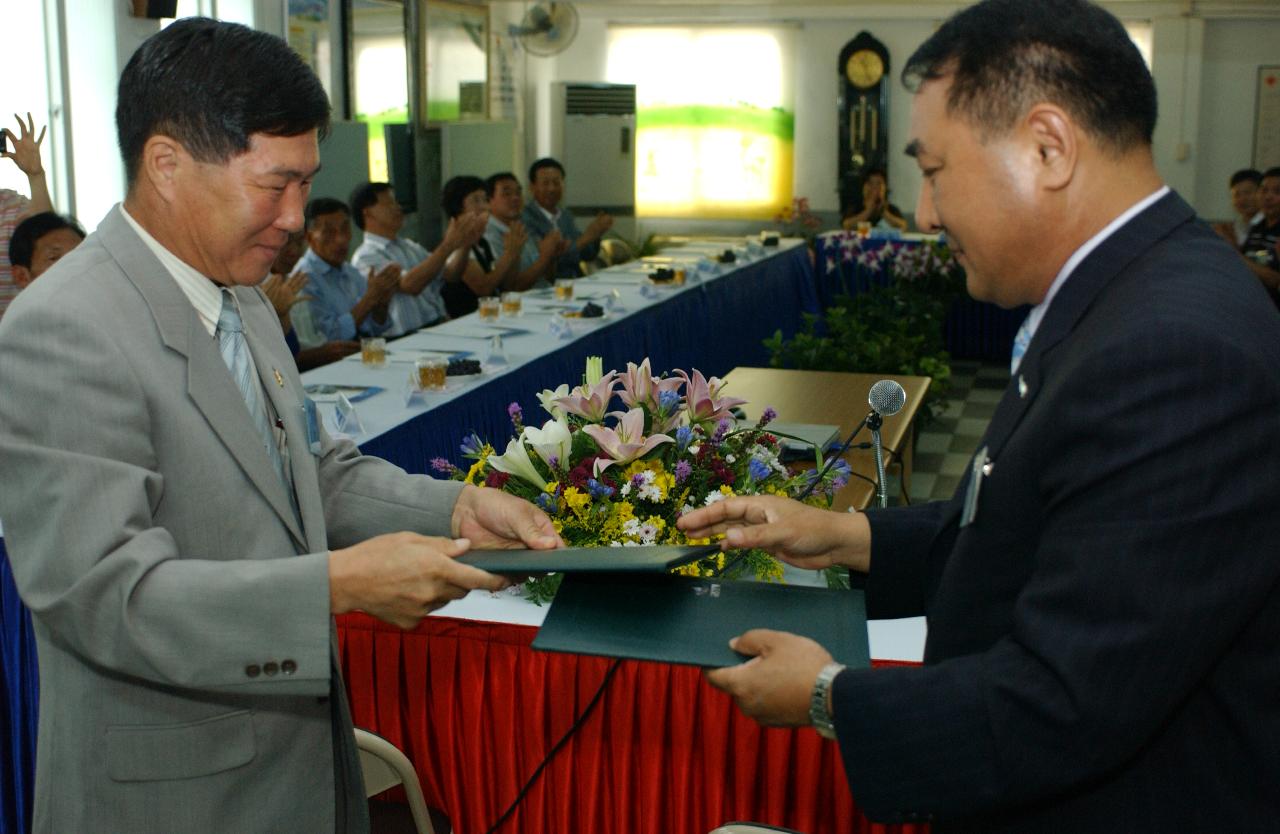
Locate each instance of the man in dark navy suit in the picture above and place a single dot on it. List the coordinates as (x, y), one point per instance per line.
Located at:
(1103, 591)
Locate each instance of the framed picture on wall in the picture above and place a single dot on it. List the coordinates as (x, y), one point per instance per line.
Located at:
(1266, 124)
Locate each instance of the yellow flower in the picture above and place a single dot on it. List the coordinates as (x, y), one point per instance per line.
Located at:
(727, 491)
(475, 475)
(577, 500)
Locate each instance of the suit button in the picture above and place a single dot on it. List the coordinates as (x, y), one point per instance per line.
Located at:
(270, 668)
(288, 667)
(253, 670)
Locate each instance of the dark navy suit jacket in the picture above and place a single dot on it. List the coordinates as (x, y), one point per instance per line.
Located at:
(1104, 638)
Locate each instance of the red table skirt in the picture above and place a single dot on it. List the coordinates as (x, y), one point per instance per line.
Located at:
(476, 710)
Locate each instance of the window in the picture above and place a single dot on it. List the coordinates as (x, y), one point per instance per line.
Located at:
(714, 121)
(379, 70)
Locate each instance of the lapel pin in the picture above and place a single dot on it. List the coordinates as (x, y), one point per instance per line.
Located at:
(279, 379)
(1022, 386)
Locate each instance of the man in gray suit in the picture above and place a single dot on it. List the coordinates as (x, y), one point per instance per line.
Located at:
(178, 523)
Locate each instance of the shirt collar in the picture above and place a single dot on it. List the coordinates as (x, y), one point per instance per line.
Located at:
(378, 240)
(550, 216)
(1038, 312)
(203, 292)
(498, 224)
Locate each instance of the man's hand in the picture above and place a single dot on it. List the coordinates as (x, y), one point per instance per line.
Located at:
(805, 536)
(384, 284)
(491, 519)
(602, 223)
(283, 292)
(516, 235)
(26, 146)
(774, 686)
(553, 244)
(402, 577)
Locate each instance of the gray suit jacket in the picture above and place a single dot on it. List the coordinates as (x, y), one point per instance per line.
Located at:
(181, 615)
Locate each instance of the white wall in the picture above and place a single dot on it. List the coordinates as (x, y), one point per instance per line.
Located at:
(1233, 50)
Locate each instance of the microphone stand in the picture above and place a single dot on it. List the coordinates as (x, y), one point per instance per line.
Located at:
(874, 421)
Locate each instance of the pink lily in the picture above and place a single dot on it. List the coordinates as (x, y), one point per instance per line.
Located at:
(591, 403)
(624, 443)
(702, 398)
(640, 388)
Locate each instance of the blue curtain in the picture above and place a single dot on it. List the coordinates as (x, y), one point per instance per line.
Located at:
(19, 682)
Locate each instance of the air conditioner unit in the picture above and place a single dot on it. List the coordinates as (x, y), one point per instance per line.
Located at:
(593, 133)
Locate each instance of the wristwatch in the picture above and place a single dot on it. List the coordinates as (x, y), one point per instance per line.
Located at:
(820, 701)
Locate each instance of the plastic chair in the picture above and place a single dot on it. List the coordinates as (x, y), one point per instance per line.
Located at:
(384, 767)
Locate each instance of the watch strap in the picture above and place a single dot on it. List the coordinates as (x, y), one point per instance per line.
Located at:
(820, 701)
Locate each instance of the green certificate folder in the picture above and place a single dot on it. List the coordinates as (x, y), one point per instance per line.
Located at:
(655, 559)
(679, 619)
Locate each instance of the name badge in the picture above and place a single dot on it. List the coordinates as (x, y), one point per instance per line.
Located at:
(313, 425)
(979, 469)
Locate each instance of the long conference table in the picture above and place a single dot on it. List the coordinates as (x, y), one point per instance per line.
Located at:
(463, 695)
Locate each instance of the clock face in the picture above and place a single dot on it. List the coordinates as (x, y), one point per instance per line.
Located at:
(864, 69)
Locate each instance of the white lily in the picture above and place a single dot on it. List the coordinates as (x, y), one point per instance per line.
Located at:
(548, 400)
(552, 442)
(515, 461)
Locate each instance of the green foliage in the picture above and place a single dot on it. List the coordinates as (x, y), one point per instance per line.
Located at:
(891, 329)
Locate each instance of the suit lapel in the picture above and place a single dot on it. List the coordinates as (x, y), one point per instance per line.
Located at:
(1089, 279)
(1077, 295)
(209, 383)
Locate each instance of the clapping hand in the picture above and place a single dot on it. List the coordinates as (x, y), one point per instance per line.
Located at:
(384, 283)
(283, 291)
(515, 237)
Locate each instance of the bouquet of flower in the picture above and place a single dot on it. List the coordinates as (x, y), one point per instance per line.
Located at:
(796, 220)
(619, 478)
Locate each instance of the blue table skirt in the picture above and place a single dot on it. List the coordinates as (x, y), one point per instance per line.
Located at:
(713, 327)
(19, 692)
(973, 329)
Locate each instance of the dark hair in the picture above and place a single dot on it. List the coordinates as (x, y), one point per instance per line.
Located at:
(324, 205)
(1003, 56)
(1252, 175)
(491, 184)
(211, 86)
(457, 190)
(364, 195)
(22, 246)
(545, 162)
(1269, 173)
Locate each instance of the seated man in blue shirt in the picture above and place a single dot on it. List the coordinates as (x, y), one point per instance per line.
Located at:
(343, 303)
(546, 186)
(418, 302)
(537, 260)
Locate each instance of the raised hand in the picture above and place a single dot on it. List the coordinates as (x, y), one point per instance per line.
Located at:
(25, 152)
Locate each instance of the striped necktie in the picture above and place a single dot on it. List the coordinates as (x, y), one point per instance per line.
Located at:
(235, 352)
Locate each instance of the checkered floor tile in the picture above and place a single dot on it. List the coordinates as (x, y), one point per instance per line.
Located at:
(944, 449)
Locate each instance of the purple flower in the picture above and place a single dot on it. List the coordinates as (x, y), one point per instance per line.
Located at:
(683, 470)
(472, 445)
(637, 481)
(758, 469)
(767, 417)
(516, 415)
(547, 503)
(668, 401)
(441, 465)
(722, 428)
(840, 473)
